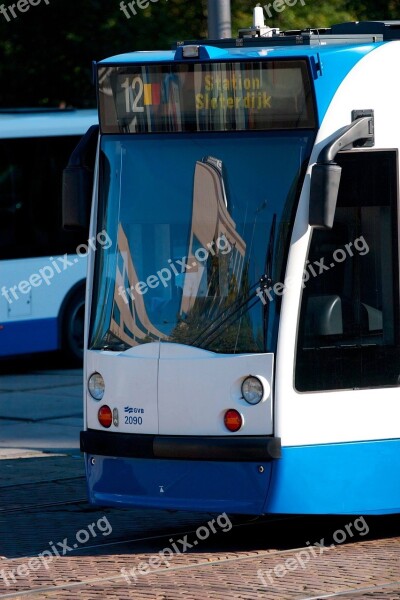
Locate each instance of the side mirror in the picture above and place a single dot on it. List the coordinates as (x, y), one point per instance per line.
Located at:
(325, 181)
(78, 182)
(325, 176)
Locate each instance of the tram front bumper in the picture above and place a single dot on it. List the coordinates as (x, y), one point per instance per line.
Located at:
(208, 448)
(196, 473)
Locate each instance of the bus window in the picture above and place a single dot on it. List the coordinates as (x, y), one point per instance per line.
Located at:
(348, 331)
(30, 197)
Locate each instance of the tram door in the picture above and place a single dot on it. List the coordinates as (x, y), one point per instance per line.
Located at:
(349, 325)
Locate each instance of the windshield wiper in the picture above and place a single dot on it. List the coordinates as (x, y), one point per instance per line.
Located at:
(210, 328)
(269, 262)
(264, 283)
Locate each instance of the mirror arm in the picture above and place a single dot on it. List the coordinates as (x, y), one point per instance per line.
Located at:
(79, 155)
(360, 130)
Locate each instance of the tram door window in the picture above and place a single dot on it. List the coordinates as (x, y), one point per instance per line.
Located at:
(30, 197)
(348, 335)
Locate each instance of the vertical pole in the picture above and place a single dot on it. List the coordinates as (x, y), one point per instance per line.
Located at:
(219, 19)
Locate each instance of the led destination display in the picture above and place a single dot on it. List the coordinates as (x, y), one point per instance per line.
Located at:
(180, 97)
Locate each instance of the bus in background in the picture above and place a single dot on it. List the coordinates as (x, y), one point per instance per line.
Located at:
(42, 278)
(243, 340)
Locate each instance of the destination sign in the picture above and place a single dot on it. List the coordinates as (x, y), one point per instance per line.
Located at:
(234, 96)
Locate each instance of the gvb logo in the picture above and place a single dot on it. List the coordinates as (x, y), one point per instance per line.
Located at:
(133, 409)
(133, 419)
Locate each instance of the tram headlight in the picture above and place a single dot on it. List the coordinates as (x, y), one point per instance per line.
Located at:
(252, 390)
(96, 386)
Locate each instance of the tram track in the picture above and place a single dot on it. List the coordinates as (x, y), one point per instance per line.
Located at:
(42, 481)
(14, 496)
(166, 535)
(162, 571)
(40, 506)
(355, 591)
(76, 585)
(60, 493)
(255, 521)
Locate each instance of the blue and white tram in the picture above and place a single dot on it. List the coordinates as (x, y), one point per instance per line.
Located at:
(243, 343)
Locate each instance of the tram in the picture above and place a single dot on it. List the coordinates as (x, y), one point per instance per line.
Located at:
(242, 347)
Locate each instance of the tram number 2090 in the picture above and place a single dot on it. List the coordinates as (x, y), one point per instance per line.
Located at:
(133, 420)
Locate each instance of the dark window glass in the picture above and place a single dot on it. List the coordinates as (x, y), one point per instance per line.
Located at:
(348, 331)
(30, 197)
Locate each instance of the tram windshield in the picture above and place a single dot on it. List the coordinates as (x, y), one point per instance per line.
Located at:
(196, 220)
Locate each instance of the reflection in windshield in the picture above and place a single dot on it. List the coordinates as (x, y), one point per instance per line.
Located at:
(191, 236)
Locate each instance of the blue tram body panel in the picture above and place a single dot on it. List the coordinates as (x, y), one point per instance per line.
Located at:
(354, 478)
(178, 484)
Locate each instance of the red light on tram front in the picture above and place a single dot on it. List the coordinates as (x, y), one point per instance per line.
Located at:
(233, 420)
(105, 416)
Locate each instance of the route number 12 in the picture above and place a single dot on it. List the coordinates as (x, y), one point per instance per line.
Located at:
(133, 94)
